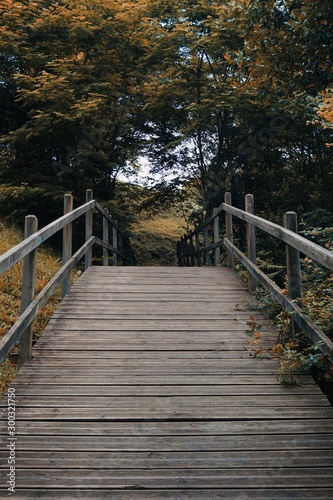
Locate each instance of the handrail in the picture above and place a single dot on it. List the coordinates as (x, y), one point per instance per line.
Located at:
(17, 330)
(22, 329)
(321, 255)
(17, 253)
(315, 252)
(295, 244)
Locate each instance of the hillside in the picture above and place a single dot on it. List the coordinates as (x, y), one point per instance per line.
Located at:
(153, 224)
(155, 240)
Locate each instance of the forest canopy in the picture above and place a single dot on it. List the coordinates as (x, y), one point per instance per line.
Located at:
(217, 95)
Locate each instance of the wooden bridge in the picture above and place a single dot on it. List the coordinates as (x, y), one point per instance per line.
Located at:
(144, 386)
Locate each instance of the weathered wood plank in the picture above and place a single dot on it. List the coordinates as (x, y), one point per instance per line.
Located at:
(175, 428)
(177, 413)
(43, 389)
(242, 443)
(169, 460)
(264, 493)
(173, 402)
(188, 478)
(157, 379)
(99, 352)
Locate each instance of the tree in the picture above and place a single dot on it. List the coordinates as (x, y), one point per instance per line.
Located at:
(288, 48)
(73, 71)
(193, 105)
(232, 108)
(210, 91)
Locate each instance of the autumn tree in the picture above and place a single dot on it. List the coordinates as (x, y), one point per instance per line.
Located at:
(233, 109)
(287, 61)
(192, 103)
(218, 95)
(71, 77)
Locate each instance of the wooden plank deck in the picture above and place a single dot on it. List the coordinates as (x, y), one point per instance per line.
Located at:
(141, 388)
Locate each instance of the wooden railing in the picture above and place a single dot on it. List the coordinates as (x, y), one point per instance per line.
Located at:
(195, 249)
(21, 331)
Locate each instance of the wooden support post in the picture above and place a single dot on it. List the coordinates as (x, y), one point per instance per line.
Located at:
(251, 241)
(121, 246)
(229, 230)
(105, 238)
(179, 252)
(293, 266)
(89, 228)
(67, 244)
(115, 244)
(28, 290)
(197, 248)
(187, 252)
(183, 251)
(217, 237)
(191, 249)
(206, 243)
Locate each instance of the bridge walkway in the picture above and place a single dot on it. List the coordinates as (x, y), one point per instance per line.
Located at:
(143, 387)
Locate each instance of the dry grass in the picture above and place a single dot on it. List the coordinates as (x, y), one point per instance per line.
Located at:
(154, 240)
(10, 294)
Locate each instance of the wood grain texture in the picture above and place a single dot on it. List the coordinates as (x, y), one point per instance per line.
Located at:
(144, 386)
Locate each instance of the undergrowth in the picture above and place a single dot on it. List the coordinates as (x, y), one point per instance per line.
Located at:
(297, 353)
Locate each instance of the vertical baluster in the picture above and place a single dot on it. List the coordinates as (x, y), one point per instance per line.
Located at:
(89, 228)
(217, 237)
(251, 241)
(206, 243)
(197, 248)
(105, 238)
(28, 290)
(229, 230)
(293, 266)
(67, 244)
(115, 244)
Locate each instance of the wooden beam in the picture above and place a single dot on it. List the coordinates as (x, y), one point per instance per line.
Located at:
(18, 252)
(28, 290)
(229, 229)
(89, 229)
(315, 252)
(105, 238)
(251, 241)
(67, 243)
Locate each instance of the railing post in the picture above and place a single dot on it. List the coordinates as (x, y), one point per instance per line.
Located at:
(67, 243)
(229, 230)
(105, 238)
(191, 248)
(179, 252)
(183, 251)
(121, 247)
(187, 252)
(251, 241)
(115, 244)
(28, 290)
(89, 228)
(217, 237)
(293, 266)
(197, 248)
(206, 243)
